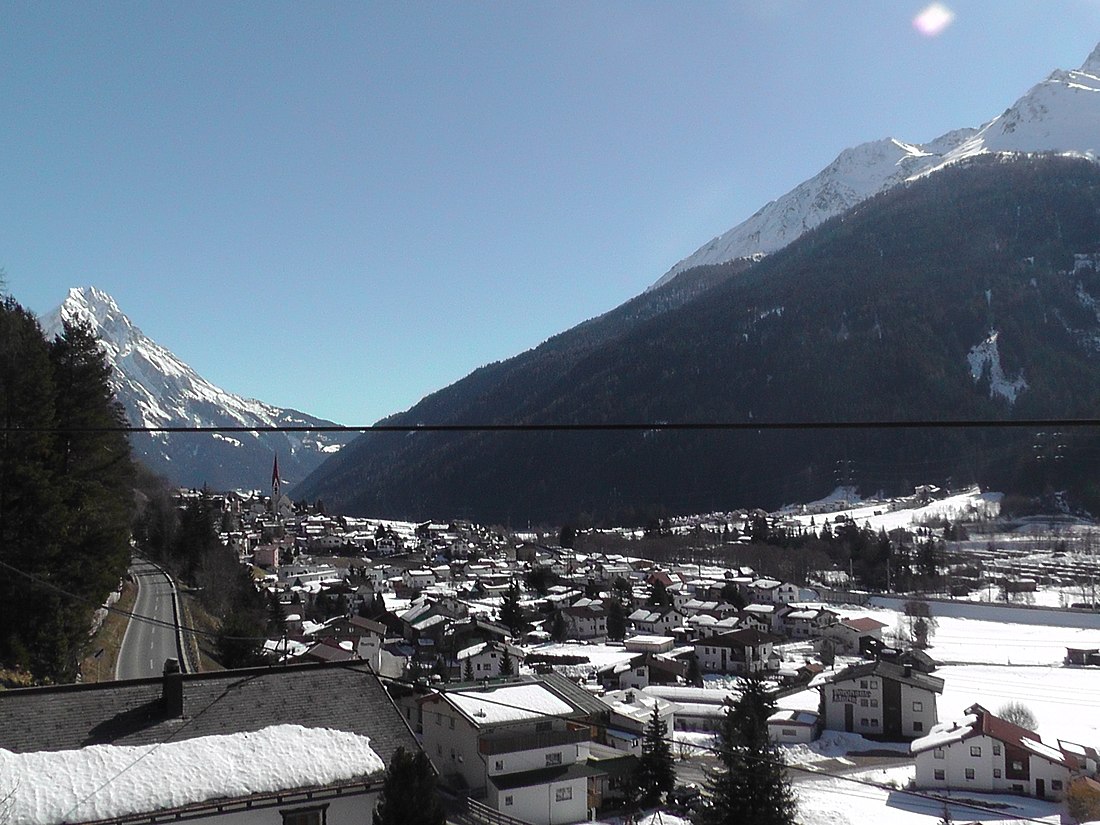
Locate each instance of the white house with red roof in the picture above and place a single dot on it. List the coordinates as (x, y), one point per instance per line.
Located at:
(984, 753)
(848, 634)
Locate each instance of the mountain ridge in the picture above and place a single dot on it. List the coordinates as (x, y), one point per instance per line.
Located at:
(1059, 114)
(157, 389)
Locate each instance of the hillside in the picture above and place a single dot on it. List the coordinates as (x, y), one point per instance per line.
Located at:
(157, 389)
(953, 296)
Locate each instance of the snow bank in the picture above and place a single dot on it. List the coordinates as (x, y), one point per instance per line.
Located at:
(108, 781)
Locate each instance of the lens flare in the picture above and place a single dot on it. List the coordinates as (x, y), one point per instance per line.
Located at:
(933, 20)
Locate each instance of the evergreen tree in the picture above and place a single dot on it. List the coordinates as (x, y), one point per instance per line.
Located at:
(558, 630)
(507, 666)
(408, 794)
(656, 771)
(694, 675)
(750, 785)
(511, 614)
(66, 491)
(616, 619)
(468, 670)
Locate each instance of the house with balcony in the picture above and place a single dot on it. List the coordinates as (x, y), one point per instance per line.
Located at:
(986, 754)
(738, 652)
(521, 747)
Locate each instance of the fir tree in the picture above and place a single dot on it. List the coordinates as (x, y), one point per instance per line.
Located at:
(468, 670)
(616, 619)
(656, 771)
(558, 630)
(408, 794)
(750, 785)
(507, 667)
(511, 614)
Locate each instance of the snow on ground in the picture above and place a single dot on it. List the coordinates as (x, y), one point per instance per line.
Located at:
(840, 801)
(108, 781)
(834, 744)
(1062, 699)
(598, 655)
(879, 516)
(979, 641)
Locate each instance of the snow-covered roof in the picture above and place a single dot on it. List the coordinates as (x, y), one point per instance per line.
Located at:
(945, 733)
(110, 781)
(509, 703)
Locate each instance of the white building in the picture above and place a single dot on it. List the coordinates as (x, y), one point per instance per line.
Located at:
(737, 652)
(515, 745)
(880, 700)
(984, 753)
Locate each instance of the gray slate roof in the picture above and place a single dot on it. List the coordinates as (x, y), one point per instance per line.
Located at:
(340, 696)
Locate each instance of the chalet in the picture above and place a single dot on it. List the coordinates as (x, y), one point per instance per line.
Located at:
(586, 619)
(655, 621)
(486, 659)
(984, 753)
(336, 749)
(772, 591)
(879, 700)
(631, 711)
(521, 747)
(738, 652)
(848, 635)
(805, 622)
(642, 670)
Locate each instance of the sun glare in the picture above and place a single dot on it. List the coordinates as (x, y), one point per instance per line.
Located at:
(933, 20)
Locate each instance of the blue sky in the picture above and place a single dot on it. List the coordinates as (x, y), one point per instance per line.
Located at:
(341, 207)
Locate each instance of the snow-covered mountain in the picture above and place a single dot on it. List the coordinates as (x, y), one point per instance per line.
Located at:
(1061, 114)
(157, 389)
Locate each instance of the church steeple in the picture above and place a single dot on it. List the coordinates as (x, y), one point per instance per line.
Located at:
(276, 485)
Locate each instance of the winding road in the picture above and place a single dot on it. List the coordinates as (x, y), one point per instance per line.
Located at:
(147, 644)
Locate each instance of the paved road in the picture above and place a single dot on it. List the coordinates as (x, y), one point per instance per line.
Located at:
(146, 645)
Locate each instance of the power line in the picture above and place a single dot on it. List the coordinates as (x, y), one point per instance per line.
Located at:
(614, 426)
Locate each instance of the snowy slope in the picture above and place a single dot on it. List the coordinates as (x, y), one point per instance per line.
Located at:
(157, 389)
(1061, 114)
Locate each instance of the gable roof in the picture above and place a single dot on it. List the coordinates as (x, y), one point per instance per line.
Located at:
(339, 696)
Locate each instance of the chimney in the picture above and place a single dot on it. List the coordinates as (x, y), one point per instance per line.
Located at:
(629, 697)
(172, 696)
(908, 670)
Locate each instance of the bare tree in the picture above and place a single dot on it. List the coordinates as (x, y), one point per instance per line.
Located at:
(1018, 714)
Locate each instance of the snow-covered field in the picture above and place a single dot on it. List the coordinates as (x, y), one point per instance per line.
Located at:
(842, 801)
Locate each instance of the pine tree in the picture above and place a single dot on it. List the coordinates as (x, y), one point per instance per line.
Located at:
(616, 619)
(408, 794)
(656, 771)
(750, 785)
(507, 667)
(558, 630)
(468, 670)
(511, 614)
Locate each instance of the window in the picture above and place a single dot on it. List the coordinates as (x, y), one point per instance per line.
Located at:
(553, 758)
(789, 732)
(874, 722)
(939, 774)
(969, 773)
(1017, 766)
(452, 720)
(508, 800)
(305, 816)
(918, 707)
(1056, 784)
(996, 748)
(918, 726)
(563, 794)
(439, 718)
(863, 683)
(874, 703)
(874, 684)
(863, 703)
(975, 750)
(996, 773)
(499, 765)
(938, 753)
(865, 721)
